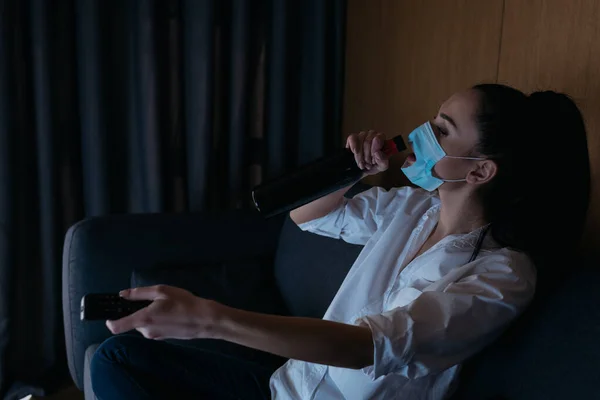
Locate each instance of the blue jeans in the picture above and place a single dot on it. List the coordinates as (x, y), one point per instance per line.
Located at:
(132, 367)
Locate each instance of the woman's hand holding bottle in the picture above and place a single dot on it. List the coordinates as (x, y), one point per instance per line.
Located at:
(368, 151)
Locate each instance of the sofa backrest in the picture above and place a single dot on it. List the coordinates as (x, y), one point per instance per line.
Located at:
(551, 353)
(309, 269)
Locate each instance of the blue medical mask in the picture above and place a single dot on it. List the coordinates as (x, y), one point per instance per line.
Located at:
(428, 152)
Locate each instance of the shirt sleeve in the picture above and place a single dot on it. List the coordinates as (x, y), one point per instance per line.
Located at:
(440, 329)
(357, 219)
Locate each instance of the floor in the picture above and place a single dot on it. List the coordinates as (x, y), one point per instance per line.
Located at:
(71, 393)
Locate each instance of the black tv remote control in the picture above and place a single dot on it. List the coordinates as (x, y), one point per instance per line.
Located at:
(105, 306)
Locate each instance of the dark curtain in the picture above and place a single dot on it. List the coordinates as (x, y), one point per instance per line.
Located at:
(128, 106)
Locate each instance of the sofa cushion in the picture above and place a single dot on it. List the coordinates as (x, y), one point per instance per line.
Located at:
(87, 377)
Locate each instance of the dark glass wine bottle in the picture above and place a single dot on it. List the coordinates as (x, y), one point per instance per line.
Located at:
(313, 181)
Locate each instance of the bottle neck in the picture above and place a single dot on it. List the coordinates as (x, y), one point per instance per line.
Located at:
(393, 146)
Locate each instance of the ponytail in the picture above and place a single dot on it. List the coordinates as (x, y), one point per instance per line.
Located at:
(538, 200)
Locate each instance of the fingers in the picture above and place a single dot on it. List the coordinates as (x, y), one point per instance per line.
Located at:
(380, 158)
(145, 293)
(130, 322)
(381, 161)
(377, 143)
(366, 146)
(367, 155)
(149, 333)
(355, 144)
(141, 317)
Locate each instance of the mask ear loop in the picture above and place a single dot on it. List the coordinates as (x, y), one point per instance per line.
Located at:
(467, 158)
(462, 158)
(455, 180)
(482, 235)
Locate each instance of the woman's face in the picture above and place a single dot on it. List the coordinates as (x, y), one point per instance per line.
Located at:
(456, 131)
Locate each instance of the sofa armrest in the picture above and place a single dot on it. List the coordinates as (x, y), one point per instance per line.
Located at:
(100, 255)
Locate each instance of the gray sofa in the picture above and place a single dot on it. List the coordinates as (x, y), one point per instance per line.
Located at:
(271, 266)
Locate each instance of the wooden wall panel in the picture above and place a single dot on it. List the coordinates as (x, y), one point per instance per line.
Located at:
(363, 91)
(555, 44)
(405, 57)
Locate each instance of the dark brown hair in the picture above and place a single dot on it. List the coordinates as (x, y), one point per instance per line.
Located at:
(538, 200)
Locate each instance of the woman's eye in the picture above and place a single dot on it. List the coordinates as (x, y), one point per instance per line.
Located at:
(441, 130)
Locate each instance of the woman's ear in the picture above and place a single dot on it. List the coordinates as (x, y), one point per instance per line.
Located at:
(483, 172)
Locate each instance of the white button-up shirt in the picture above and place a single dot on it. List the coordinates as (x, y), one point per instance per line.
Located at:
(426, 315)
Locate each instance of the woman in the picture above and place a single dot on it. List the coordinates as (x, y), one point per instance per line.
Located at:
(445, 267)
